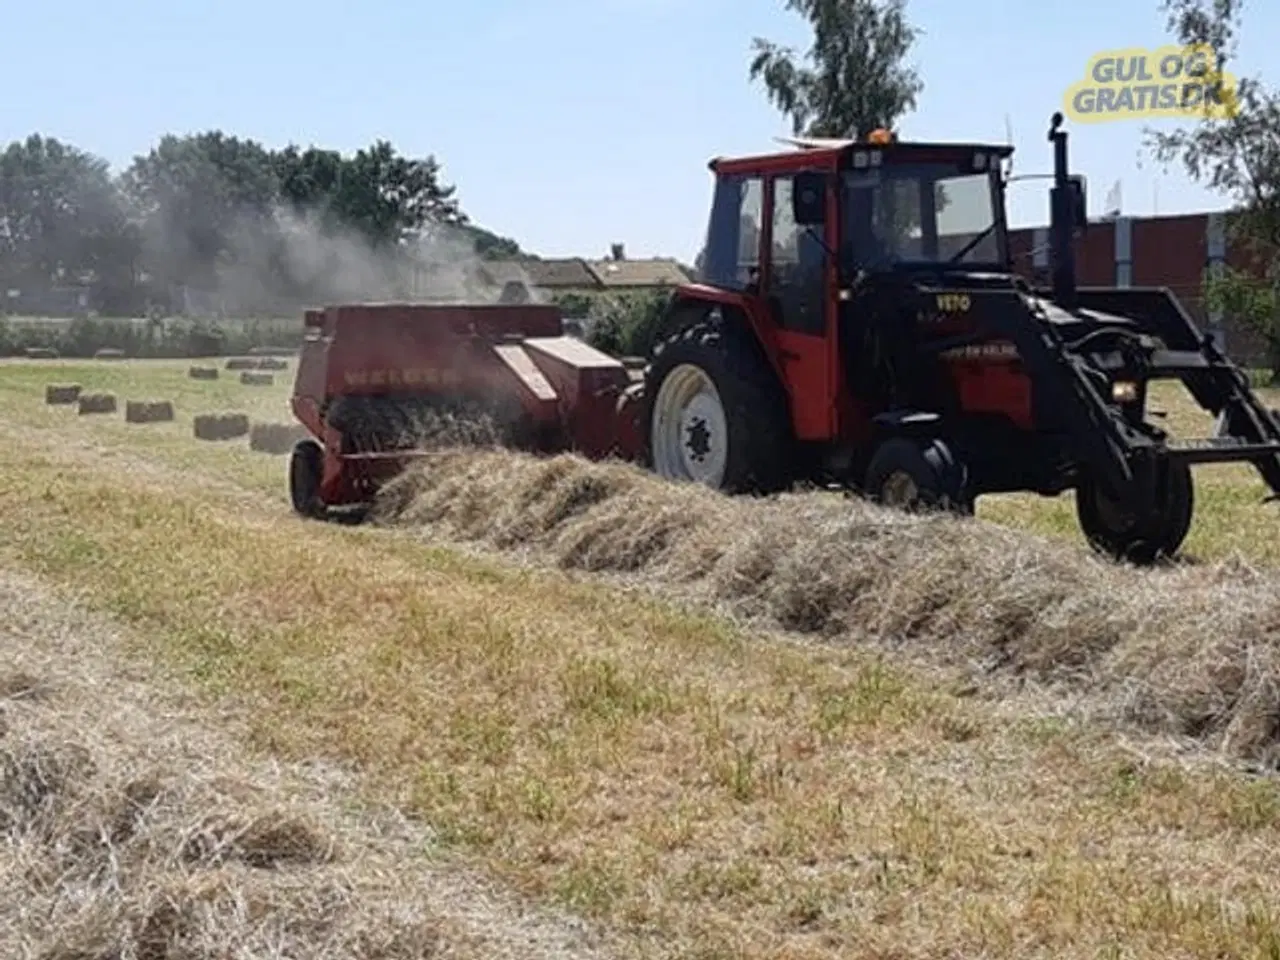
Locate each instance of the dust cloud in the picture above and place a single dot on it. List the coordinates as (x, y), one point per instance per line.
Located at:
(287, 260)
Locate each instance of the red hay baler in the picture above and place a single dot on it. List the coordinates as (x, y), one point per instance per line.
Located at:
(373, 378)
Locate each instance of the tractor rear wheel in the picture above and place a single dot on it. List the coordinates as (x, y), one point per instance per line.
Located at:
(1123, 534)
(306, 468)
(918, 475)
(715, 413)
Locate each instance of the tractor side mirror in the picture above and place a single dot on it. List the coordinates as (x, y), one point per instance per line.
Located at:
(809, 199)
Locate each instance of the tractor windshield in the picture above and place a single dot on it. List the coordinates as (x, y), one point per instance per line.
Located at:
(922, 214)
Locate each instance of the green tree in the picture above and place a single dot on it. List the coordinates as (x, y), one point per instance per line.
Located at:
(855, 79)
(60, 215)
(192, 196)
(491, 246)
(386, 196)
(270, 229)
(1237, 155)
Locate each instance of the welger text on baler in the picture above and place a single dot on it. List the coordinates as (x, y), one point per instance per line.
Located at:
(408, 377)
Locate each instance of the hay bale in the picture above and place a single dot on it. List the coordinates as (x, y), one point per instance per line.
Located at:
(61, 393)
(276, 438)
(41, 353)
(202, 373)
(97, 402)
(241, 363)
(272, 363)
(148, 411)
(221, 426)
(109, 353)
(252, 378)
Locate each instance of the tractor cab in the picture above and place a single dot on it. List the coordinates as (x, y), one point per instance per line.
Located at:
(918, 207)
(830, 244)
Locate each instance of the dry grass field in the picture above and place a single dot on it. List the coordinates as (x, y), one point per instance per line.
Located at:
(661, 723)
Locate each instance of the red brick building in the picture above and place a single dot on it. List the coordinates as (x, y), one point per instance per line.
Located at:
(1169, 251)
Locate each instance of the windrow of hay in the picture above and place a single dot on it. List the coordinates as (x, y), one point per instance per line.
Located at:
(1191, 651)
(61, 393)
(148, 411)
(220, 426)
(97, 402)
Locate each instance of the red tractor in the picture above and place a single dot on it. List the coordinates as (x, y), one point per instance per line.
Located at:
(856, 323)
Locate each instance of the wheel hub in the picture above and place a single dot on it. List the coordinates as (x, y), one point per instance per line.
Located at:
(690, 430)
(698, 439)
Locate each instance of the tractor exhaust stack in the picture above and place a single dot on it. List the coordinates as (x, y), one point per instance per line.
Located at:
(1066, 211)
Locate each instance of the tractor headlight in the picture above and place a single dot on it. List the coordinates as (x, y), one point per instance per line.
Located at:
(1124, 391)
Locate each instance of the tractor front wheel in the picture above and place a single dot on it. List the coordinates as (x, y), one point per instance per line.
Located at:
(306, 468)
(1124, 534)
(918, 475)
(716, 414)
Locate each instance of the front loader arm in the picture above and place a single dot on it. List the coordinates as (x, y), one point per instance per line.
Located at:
(1118, 452)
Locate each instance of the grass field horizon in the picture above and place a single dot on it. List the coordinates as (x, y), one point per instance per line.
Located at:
(694, 784)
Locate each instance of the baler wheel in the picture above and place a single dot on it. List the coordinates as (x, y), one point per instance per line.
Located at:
(306, 467)
(918, 475)
(716, 414)
(1123, 535)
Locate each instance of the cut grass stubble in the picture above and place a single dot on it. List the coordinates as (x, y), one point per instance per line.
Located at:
(650, 768)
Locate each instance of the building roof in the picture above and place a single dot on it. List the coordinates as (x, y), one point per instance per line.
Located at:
(654, 272)
(505, 271)
(566, 272)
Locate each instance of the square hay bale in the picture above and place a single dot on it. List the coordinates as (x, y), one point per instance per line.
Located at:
(61, 393)
(221, 426)
(109, 353)
(251, 378)
(41, 353)
(241, 363)
(148, 411)
(202, 373)
(97, 402)
(272, 363)
(276, 438)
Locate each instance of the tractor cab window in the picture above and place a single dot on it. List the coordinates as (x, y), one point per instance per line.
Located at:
(731, 253)
(923, 214)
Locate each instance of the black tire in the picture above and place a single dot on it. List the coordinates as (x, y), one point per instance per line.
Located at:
(759, 447)
(918, 475)
(306, 468)
(1121, 535)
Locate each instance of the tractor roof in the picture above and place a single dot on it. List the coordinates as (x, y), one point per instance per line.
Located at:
(837, 151)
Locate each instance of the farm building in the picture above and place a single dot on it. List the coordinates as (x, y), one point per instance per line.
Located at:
(1160, 251)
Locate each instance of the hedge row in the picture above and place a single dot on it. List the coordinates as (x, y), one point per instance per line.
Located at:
(84, 337)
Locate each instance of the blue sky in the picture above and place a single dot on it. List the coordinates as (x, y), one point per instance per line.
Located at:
(567, 124)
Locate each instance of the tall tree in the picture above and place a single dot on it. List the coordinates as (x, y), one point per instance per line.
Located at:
(1238, 155)
(60, 213)
(855, 79)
